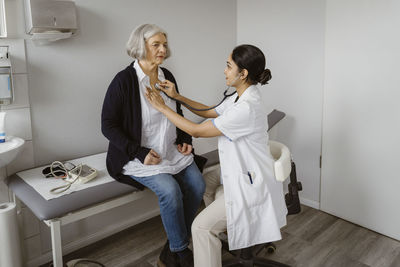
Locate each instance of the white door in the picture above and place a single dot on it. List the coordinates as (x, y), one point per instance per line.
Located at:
(360, 179)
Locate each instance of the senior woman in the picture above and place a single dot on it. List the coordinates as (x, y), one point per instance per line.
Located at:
(146, 149)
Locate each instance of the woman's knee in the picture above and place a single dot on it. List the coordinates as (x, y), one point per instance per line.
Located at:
(203, 222)
(200, 187)
(195, 182)
(170, 195)
(199, 184)
(212, 218)
(198, 225)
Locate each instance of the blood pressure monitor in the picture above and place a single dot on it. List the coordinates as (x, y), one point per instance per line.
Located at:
(86, 174)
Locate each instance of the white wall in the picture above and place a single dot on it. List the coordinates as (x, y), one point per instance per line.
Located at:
(291, 34)
(360, 177)
(67, 81)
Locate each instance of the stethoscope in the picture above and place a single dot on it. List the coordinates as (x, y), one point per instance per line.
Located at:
(226, 95)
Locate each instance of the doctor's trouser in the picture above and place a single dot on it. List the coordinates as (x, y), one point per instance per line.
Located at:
(209, 223)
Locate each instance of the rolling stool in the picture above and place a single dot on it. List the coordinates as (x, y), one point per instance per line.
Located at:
(284, 167)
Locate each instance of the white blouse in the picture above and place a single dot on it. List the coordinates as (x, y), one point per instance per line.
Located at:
(158, 133)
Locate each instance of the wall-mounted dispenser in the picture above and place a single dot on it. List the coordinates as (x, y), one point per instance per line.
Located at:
(6, 81)
(3, 26)
(48, 20)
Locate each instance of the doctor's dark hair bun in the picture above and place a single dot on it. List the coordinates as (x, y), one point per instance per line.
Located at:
(265, 76)
(252, 59)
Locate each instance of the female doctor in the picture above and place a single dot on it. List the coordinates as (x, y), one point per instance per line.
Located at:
(252, 208)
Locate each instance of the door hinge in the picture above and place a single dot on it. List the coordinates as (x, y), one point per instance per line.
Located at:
(320, 161)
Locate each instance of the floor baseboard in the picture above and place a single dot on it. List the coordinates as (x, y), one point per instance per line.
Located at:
(310, 203)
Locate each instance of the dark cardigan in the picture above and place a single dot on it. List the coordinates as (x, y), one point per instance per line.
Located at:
(121, 123)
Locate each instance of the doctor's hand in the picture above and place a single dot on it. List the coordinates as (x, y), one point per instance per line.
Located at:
(168, 87)
(185, 149)
(152, 158)
(155, 99)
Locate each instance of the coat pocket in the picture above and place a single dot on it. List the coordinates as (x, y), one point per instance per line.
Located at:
(252, 190)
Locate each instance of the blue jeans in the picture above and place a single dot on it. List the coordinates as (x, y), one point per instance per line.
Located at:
(179, 197)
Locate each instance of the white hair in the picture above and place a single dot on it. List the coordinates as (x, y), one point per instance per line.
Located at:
(136, 45)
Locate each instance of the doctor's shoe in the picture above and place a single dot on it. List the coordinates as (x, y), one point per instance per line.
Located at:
(185, 258)
(167, 258)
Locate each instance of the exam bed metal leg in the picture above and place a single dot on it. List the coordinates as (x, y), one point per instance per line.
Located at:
(55, 227)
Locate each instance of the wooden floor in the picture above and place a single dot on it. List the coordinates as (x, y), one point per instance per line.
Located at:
(311, 238)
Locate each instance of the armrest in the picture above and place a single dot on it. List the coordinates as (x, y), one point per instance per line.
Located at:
(282, 157)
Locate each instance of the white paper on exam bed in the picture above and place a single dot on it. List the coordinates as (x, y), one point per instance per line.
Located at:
(35, 178)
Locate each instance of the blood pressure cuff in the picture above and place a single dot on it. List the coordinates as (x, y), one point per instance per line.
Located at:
(58, 171)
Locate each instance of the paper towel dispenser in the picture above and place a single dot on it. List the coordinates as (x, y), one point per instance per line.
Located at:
(49, 19)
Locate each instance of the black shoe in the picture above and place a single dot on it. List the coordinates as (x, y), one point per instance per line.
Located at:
(168, 258)
(186, 260)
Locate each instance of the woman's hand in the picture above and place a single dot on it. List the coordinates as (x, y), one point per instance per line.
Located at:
(185, 149)
(152, 158)
(168, 88)
(155, 99)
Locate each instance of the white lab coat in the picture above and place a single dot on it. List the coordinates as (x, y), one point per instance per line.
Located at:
(255, 208)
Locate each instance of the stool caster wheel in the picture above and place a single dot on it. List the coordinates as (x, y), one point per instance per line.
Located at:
(270, 248)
